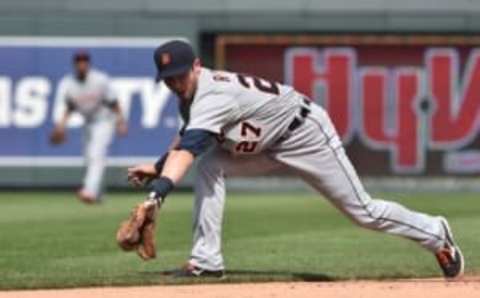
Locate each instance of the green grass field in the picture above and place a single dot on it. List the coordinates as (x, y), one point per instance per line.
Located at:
(53, 241)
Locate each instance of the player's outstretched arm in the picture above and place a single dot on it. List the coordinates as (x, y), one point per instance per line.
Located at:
(57, 136)
(193, 143)
(177, 162)
(177, 165)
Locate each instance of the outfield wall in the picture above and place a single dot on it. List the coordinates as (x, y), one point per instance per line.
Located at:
(404, 105)
(365, 32)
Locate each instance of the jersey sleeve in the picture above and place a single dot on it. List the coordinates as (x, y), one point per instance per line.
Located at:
(63, 94)
(212, 113)
(109, 95)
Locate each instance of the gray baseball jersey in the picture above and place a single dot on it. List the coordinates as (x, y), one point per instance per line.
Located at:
(90, 97)
(247, 113)
(256, 118)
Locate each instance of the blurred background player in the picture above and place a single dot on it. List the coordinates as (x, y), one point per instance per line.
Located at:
(88, 92)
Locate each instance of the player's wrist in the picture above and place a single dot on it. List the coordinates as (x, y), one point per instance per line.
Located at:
(160, 188)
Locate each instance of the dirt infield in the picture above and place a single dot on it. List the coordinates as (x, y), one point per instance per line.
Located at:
(468, 288)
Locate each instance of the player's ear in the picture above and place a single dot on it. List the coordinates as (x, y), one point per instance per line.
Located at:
(197, 63)
(197, 66)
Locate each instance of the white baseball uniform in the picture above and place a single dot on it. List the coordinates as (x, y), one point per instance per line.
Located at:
(91, 98)
(265, 126)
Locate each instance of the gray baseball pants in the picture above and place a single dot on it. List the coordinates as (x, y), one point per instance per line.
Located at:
(97, 138)
(315, 153)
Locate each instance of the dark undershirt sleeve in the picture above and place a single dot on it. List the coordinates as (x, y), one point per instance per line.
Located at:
(196, 141)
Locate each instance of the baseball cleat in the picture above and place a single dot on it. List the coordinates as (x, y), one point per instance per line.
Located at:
(450, 257)
(190, 270)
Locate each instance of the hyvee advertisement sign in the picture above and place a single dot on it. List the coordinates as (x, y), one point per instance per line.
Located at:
(402, 104)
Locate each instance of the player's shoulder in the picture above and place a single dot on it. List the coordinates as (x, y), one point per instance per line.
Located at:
(213, 90)
(67, 80)
(98, 74)
(222, 76)
(69, 77)
(216, 82)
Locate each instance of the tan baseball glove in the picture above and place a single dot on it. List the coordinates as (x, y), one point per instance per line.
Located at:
(138, 231)
(57, 136)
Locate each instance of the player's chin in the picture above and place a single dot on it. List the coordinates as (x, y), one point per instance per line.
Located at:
(183, 96)
(178, 93)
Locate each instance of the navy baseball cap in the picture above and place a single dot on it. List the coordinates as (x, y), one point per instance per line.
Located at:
(81, 55)
(173, 58)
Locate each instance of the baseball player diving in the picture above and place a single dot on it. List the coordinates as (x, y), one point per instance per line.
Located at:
(243, 125)
(87, 91)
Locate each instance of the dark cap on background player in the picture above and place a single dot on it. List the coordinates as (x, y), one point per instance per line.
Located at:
(81, 64)
(81, 55)
(173, 58)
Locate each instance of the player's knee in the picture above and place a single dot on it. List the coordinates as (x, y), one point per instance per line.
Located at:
(360, 215)
(366, 221)
(369, 216)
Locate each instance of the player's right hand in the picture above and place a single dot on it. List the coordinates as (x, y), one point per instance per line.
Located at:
(141, 175)
(57, 136)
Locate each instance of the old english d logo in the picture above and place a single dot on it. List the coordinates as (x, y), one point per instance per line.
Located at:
(165, 58)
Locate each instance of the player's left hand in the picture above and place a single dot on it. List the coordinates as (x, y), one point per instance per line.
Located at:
(122, 128)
